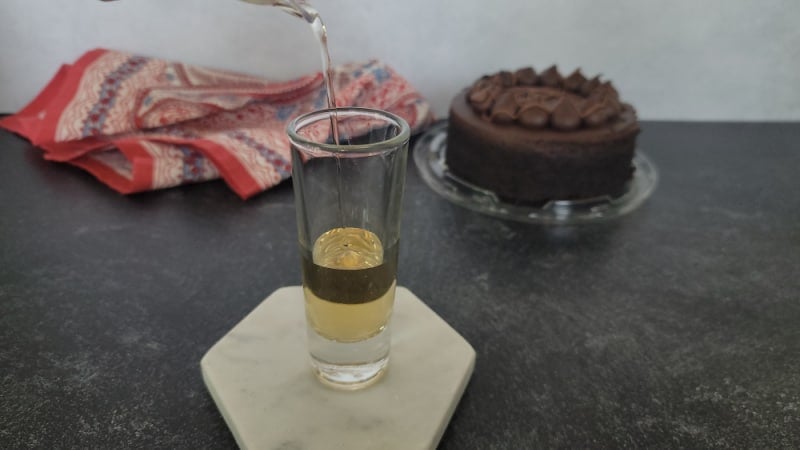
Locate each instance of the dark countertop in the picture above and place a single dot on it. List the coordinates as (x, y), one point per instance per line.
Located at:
(676, 326)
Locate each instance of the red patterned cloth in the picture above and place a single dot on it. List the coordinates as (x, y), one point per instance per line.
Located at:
(139, 123)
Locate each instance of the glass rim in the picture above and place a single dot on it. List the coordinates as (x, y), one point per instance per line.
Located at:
(316, 115)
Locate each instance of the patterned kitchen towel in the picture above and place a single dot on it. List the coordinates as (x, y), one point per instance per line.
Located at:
(139, 123)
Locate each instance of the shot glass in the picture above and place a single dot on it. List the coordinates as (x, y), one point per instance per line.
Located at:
(348, 170)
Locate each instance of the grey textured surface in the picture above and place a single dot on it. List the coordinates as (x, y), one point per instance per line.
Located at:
(676, 326)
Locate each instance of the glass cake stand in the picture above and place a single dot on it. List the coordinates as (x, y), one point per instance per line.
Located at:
(429, 155)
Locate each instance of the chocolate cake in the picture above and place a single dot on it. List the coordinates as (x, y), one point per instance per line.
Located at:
(534, 137)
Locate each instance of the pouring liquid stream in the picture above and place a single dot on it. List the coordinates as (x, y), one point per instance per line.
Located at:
(304, 11)
(321, 33)
(299, 8)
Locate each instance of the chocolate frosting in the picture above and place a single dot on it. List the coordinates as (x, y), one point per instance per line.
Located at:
(566, 116)
(545, 100)
(551, 77)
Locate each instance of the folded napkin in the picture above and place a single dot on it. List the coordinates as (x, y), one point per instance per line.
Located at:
(139, 123)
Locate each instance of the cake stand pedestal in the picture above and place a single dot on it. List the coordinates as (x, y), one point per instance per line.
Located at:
(261, 380)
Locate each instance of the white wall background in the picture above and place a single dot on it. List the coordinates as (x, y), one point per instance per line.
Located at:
(678, 59)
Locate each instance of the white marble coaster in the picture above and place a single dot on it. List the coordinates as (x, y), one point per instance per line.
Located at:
(260, 378)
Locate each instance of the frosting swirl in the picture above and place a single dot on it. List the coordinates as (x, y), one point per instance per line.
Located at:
(545, 100)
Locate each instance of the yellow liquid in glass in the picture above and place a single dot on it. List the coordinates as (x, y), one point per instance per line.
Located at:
(349, 284)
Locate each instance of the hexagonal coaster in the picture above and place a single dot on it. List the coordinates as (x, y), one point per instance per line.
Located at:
(261, 380)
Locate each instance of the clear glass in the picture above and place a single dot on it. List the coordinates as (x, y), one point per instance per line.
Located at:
(348, 199)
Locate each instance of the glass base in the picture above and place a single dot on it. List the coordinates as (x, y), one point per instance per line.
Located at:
(349, 365)
(349, 377)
